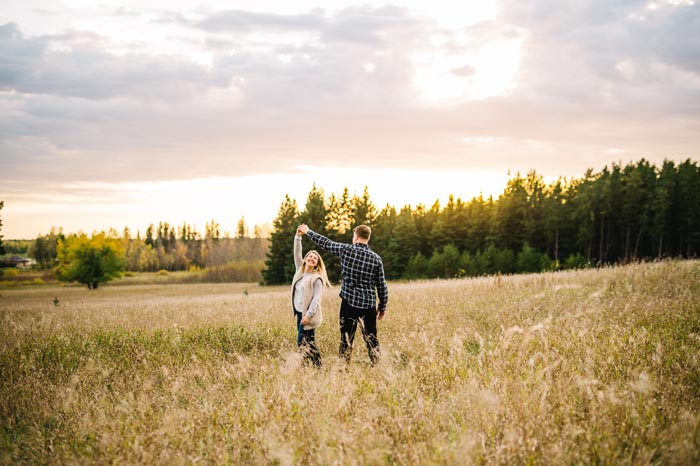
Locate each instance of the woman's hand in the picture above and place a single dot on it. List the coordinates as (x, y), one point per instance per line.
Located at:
(304, 320)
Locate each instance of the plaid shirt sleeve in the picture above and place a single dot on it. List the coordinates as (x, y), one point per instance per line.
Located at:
(325, 243)
(382, 289)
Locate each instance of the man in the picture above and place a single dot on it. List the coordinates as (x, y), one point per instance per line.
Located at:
(362, 274)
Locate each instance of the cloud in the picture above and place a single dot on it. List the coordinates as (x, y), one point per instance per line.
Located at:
(272, 91)
(18, 55)
(236, 21)
(602, 52)
(361, 25)
(71, 99)
(602, 74)
(76, 64)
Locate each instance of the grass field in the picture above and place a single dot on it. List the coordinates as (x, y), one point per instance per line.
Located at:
(579, 367)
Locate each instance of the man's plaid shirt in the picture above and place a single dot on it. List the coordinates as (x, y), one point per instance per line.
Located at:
(362, 272)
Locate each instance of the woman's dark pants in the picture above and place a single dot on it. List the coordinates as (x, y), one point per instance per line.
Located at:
(306, 341)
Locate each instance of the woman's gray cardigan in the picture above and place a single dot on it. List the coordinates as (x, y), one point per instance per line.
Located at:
(313, 290)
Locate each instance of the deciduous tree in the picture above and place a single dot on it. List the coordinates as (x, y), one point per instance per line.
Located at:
(90, 261)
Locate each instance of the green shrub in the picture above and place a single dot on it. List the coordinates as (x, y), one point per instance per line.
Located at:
(576, 261)
(417, 267)
(529, 260)
(467, 265)
(444, 263)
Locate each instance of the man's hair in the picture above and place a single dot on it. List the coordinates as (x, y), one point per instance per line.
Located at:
(363, 231)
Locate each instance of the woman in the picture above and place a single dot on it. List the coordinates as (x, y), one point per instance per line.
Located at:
(307, 291)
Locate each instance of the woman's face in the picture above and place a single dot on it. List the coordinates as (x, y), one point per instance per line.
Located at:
(311, 260)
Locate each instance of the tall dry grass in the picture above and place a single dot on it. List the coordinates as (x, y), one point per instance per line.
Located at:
(584, 367)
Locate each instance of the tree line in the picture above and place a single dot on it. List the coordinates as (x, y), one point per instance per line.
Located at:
(164, 247)
(102, 256)
(619, 214)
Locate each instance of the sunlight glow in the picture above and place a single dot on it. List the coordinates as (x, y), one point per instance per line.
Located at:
(90, 206)
(446, 78)
(406, 187)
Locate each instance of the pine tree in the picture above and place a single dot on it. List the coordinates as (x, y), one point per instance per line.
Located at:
(661, 205)
(479, 224)
(585, 206)
(408, 239)
(314, 214)
(340, 217)
(241, 229)
(279, 266)
(688, 209)
(512, 213)
(149, 236)
(365, 211)
(554, 203)
(385, 244)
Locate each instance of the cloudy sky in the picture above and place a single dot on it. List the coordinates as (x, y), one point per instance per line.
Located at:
(125, 113)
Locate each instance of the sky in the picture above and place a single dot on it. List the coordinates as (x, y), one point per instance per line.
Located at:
(124, 113)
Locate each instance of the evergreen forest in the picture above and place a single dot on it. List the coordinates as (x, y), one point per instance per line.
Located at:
(620, 214)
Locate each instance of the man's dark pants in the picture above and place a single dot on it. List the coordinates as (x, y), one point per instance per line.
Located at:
(349, 318)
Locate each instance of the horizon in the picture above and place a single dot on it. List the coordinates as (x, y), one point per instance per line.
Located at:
(228, 230)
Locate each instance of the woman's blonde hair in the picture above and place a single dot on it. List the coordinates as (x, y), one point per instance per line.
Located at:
(320, 268)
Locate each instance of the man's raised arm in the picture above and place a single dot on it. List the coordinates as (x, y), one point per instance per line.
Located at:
(321, 241)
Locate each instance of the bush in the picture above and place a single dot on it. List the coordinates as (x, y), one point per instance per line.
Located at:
(417, 267)
(487, 260)
(493, 260)
(444, 263)
(529, 260)
(467, 265)
(9, 273)
(576, 261)
(504, 261)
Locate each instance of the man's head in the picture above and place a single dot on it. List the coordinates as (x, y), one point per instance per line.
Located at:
(362, 234)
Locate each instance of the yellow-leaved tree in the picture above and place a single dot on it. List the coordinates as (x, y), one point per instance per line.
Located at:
(90, 261)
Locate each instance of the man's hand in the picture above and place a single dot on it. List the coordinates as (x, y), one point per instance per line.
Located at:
(380, 315)
(302, 229)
